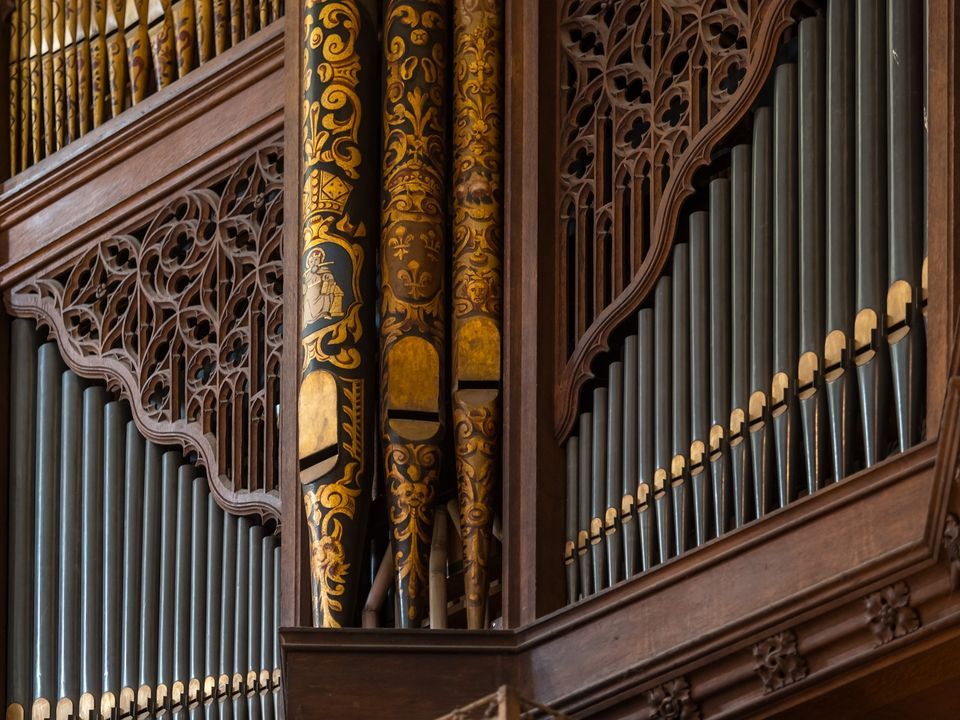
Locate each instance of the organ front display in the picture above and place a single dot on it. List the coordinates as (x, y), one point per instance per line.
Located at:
(479, 358)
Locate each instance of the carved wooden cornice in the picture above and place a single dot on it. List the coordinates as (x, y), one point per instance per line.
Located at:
(182, 314)
(673, 79)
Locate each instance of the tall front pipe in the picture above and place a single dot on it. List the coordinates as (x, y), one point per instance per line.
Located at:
(662, 430)
(739, 464)
(761, 287)
(198, 586)
(182, 585)
(905, 207)
(571, 525)
(646, 460)
(91, 548)
(698, 320)
(477, 282)
(812, 181)
(598, 489)
(114, 442)
(131, 600)
(680, 398)
(614, 481)
(337, 400)
(838, 380)
(412, 310)
(631, 466)
(153, 508)
(719, 351)
(871, 224)
(68, 553)
(584, 460)
(167, 606)
(782, 404)
(49, 371)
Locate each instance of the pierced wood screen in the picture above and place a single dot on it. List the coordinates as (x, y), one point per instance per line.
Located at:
(182, 313)
(647, 88)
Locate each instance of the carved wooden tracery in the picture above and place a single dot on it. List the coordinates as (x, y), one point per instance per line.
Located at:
(182, 314)
(647, 89)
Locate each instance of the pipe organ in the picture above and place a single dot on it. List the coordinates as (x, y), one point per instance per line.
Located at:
(74, 64)
(782, 347)
(131, 592)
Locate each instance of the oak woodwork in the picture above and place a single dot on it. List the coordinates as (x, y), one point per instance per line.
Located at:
(648, 89)
(184, 313)
(125, 168)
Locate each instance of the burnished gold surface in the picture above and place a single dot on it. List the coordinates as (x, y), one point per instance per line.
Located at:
(476, 423)
(865, 328)
(412, 269)
(899, 302)
(335, 403)
(477, 275)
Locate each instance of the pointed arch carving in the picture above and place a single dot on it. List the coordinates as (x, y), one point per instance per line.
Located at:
(648, 88)
(182, 315)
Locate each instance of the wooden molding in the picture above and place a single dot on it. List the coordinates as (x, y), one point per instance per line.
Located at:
(124, 168)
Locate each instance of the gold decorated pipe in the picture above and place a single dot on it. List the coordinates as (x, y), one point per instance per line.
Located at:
(138, 51)
(412, 269)
(15, 100)
(98, 61)
(337, 399)
(477, 281)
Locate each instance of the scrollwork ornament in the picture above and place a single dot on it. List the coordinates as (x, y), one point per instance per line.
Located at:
(475, 421)
(412, 269)
(477, 279)
(337, 282)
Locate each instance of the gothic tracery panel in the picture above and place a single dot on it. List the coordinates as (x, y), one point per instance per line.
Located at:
(183, 314)
(647, 87)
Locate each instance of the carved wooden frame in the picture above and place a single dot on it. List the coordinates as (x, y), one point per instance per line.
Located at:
(690, 147)
(122, 174)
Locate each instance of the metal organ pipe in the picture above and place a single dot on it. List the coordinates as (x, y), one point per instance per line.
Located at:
(739, 389)
(124, 572)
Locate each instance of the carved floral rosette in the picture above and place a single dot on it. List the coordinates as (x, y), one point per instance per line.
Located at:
(337, 287)
(477, 280)
(648, 88)
(412, 269)
(182, 315)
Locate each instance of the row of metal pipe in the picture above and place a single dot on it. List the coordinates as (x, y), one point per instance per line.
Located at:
(74, 64)
(784, 348)
(129, 588)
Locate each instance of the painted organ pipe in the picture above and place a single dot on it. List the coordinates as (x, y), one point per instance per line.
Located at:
(764, 361)
(412, 269)
(112, 602)
(74, 64)
(477, 283)
(337, 399)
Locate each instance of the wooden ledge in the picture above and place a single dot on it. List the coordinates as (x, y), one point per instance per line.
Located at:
(164, 143)
(805, 571)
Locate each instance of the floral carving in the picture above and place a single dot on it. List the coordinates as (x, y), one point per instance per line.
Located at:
(647, 88)
(183, 313)
(889, 613)
(672, 701)
(951, 549)
(777, 661)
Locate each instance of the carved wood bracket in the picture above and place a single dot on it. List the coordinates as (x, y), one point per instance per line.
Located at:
(649, 87)
(182, 315)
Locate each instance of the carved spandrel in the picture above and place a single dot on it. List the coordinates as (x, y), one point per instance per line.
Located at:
(647, 89)
(182, 314)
